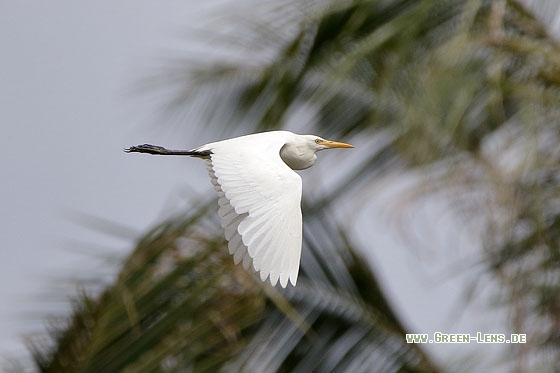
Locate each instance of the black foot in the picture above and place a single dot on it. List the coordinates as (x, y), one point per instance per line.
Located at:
(146, 148)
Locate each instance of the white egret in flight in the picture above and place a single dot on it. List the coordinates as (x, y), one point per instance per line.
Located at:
(259, 195)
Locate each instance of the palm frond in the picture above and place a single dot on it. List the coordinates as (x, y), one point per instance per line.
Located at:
(180, 304)
(447, 80)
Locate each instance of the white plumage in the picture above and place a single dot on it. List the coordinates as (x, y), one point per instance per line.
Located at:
(259, 196)
(259, 199)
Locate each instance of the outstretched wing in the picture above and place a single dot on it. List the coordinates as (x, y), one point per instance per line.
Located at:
(259, 199)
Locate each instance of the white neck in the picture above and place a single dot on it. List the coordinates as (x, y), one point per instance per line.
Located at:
(297, 159)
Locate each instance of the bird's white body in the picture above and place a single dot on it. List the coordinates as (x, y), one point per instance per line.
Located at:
(259, 196)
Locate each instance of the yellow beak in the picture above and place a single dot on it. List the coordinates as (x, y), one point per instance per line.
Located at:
(335, 144)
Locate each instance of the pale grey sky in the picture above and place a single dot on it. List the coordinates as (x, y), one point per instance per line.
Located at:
(66, 112)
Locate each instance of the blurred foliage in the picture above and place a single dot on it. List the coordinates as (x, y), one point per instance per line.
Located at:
(468, 90)
(180, 304)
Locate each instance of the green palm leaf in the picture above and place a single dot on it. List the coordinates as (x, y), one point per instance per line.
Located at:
(180, 304)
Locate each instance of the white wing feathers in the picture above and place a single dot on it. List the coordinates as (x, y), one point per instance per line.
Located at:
(259, 198)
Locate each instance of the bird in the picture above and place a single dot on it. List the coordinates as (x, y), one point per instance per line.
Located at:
(259, 196)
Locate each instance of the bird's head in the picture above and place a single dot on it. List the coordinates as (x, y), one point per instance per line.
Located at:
(299, 152)
(318, 143)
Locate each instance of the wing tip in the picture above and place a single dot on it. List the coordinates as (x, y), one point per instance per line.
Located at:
(293, 279)
(284, 280)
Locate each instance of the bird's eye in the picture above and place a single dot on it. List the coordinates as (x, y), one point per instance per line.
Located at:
(318, 141)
